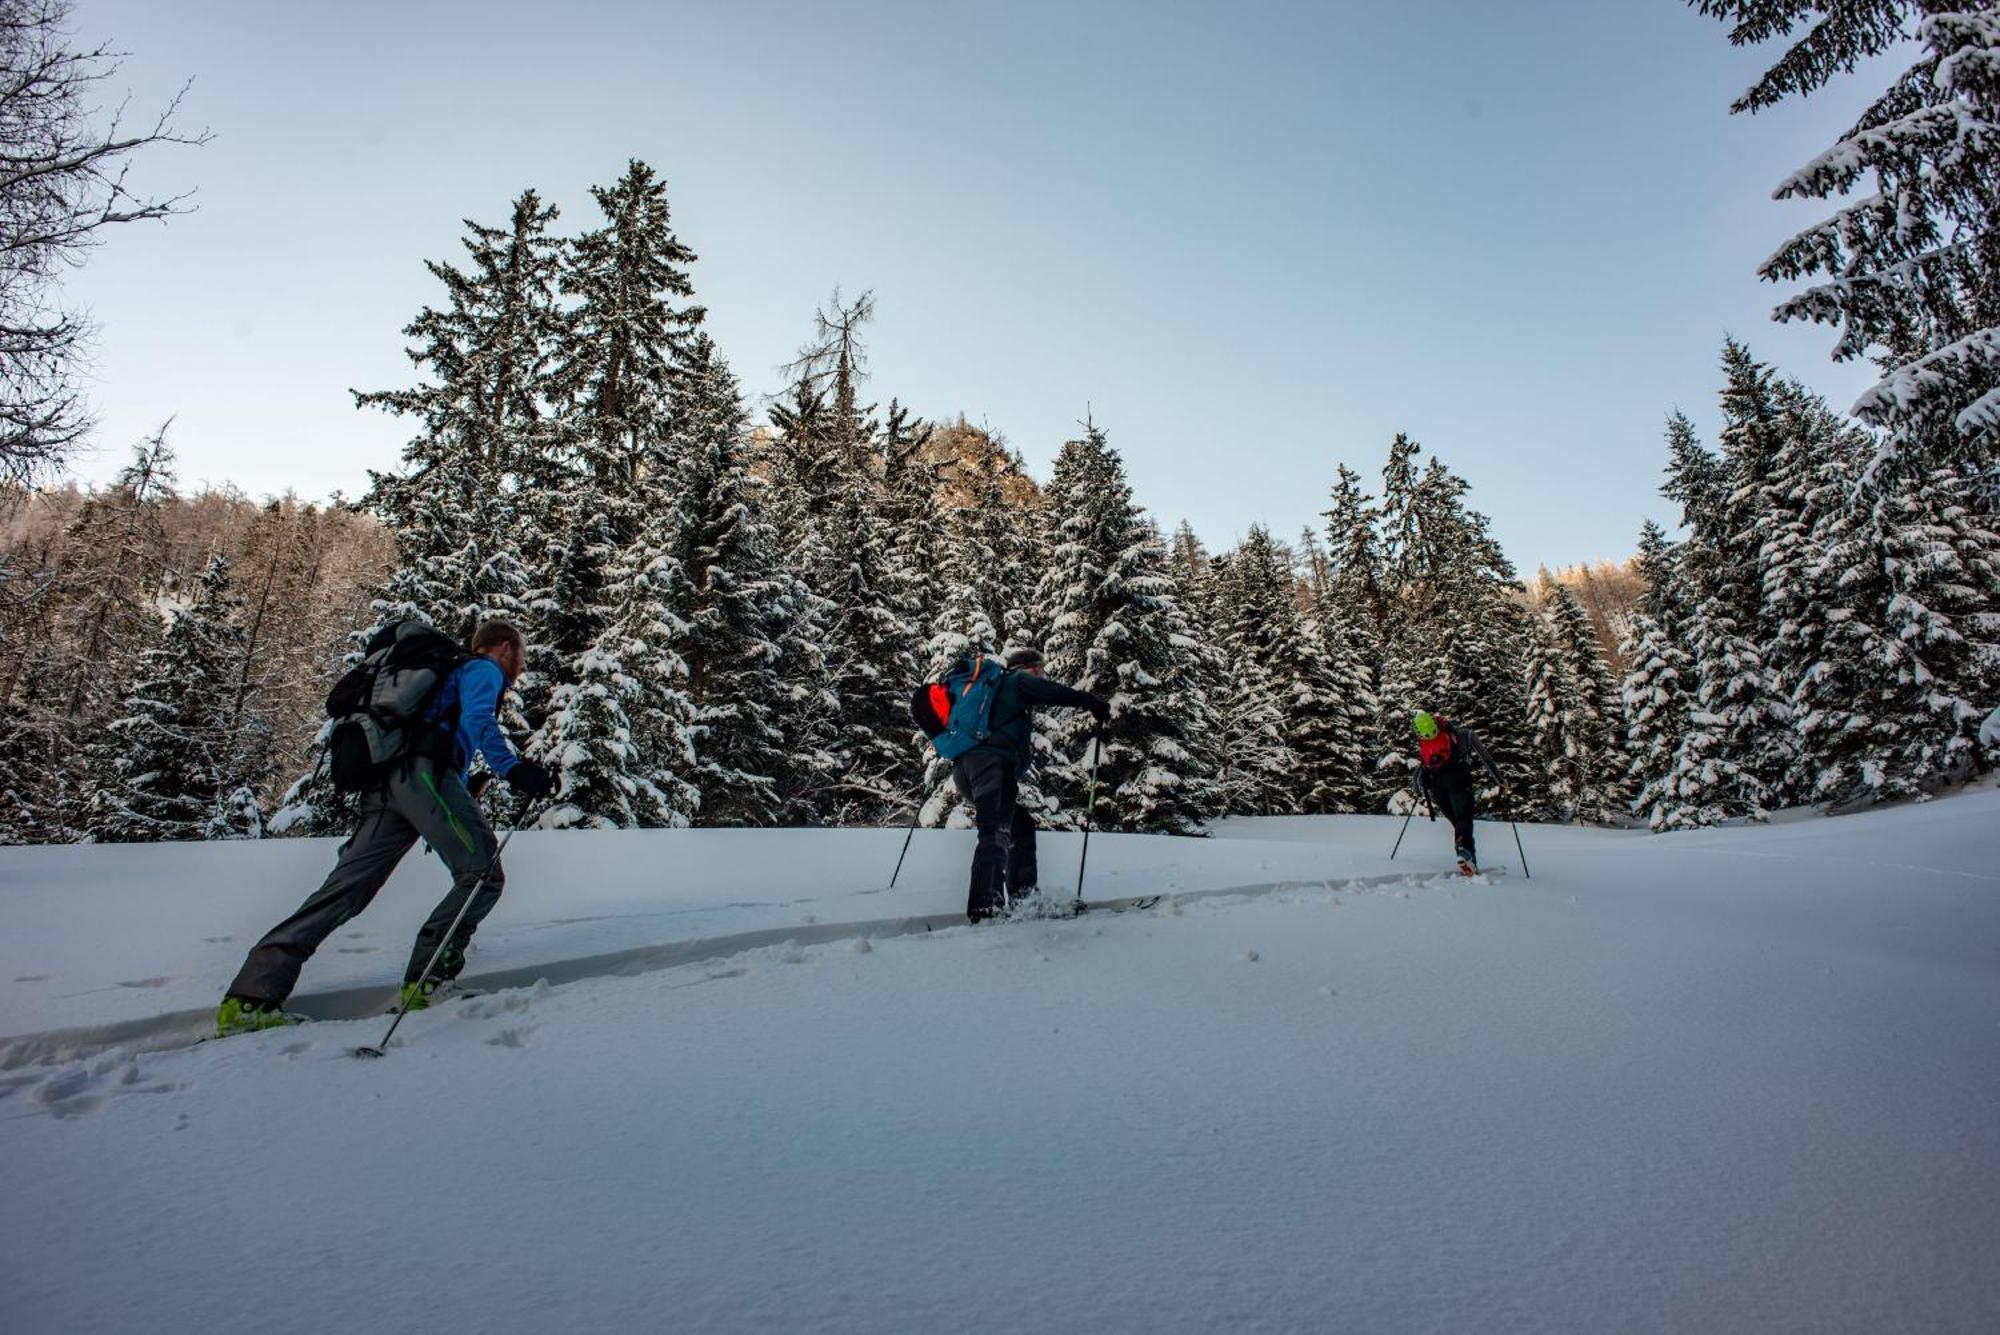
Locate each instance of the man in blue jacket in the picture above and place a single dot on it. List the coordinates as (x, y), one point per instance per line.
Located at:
(989, 776)
(424, 797)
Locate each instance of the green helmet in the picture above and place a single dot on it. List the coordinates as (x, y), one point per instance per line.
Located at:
(1426, 726)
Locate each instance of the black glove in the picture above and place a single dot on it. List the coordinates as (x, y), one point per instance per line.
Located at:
(479, 783)
(530, 780)
(1100, 709)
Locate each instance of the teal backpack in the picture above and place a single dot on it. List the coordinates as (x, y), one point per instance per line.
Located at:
(956, 713)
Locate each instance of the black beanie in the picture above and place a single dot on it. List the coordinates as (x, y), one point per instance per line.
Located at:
(1024, 658)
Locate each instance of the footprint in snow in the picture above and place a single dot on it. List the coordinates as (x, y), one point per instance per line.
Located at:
(65, 1086)
(34, 978)
(218, 940)
(512, 1038)
(161, 981)
(480, 1008)
(294, 1049)
(357, 950)
(68, 1095)
(79, 1089)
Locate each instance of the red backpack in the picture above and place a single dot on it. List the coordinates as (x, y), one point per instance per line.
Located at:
(1436, 753)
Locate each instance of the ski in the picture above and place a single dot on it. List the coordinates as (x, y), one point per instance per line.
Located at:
(1119, 905)
(1042, 909)
(442, 996)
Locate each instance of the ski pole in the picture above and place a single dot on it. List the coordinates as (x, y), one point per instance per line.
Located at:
(909, 835)
(1400, 833)
(382, 1048)
(1525, 873)
(1090, 807)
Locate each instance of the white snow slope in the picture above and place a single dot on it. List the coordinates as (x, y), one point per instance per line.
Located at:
(1736, 1080)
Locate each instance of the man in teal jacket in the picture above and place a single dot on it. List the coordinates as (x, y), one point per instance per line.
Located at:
(989, 777)
(426, 798)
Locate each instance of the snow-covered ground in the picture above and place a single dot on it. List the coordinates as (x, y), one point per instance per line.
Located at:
(1736, 1080)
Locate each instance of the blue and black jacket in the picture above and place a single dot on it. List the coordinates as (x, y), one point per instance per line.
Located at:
(467, 710)
(1011, 725)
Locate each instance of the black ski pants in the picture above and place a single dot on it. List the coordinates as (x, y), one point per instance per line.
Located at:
(1005, 853)
(422, 801)
(1457, 803)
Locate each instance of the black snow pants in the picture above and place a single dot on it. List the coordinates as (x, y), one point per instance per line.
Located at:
(1005, 854)
(424, 800)
(1456, 802)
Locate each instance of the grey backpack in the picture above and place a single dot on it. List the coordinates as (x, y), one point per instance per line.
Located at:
(379, 707)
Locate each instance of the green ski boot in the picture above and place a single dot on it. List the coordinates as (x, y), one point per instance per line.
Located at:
(417, 996)
(238, 1015)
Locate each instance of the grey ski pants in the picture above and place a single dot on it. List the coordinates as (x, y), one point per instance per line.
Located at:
(423, 801)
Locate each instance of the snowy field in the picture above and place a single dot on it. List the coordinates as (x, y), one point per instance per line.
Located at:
(1736, 1080)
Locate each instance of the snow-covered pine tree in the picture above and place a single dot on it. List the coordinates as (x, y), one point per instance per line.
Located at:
(1338, 750)
(1657, 562)
(1697, 481)
(174, 761)
(802, 485)
(872, 663)
(1910, 271)
(1658, 714)
(985, 573)
(842, 545)
(1594, 729)
(1481, 681)
(1761, 490)
(483, 429)
(738, 607)
(910, 509)
(1818, 633)
(1359, 603)
(980, 574)
(1259, 768)
(1940, 559)
(1456, 628)
(1736, 713)
(569, 607)
(1739, 750)
(621, 732)
(1116, 629)
(611, 373)
(1195, 577)
(1556, 727)
(1768, 448)
(626, 338)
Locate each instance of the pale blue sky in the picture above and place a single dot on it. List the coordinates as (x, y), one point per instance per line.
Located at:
(1255, 239)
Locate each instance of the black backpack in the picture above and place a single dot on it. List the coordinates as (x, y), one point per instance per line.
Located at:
(378, 708)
